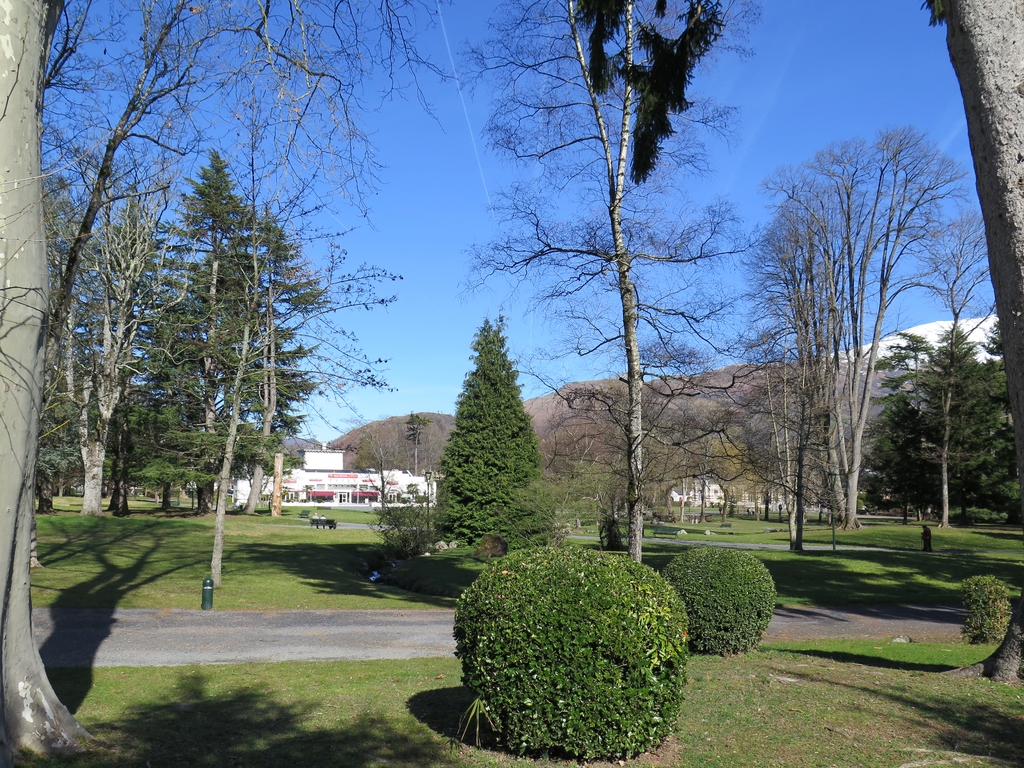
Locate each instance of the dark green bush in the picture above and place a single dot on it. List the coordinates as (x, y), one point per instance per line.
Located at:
(729, 597)
(987, 601)
(573, 651)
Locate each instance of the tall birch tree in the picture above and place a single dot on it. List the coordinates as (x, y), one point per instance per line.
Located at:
(586, 97)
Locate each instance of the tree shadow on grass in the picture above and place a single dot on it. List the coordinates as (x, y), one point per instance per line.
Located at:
(81, 616)
(872, 577)
(964, 723)
(329, 568)
(198, 726)
(865, 660)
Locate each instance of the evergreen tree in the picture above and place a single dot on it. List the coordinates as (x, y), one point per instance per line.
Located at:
(492, 452)
(898, 470)
(944, 424)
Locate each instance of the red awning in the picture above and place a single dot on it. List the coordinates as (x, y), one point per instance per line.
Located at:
(321, 494)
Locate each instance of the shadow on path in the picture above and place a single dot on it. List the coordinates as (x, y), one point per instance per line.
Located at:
(106, 589)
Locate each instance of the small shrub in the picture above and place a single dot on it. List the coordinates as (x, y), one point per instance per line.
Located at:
(987, 601)
(574, 651)
(609, 530)
(729, 597)
(407, 530)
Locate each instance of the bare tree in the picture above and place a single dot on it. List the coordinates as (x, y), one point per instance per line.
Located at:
(585, 97)
(309, 57)
(796, 285)
(865, 210)
(124, 287)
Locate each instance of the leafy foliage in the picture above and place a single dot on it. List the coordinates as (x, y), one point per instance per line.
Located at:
(987, 601)
(729, 597)
(492, 451)
(576, 651)
(408, 530)
(930, 388)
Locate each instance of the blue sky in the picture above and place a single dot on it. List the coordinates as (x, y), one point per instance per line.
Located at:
(819, 71)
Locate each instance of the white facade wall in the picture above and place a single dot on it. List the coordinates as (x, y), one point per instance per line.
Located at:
(323, 478)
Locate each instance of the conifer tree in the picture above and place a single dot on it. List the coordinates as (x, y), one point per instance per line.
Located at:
(492, 451)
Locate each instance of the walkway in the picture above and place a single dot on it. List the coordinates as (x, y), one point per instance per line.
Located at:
(80, 637)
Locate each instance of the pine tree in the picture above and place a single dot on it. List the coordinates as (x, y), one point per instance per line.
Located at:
(492, 452)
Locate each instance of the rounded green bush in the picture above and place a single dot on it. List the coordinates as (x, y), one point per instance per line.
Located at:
(987, 601)
(729, 597)
(574, 651)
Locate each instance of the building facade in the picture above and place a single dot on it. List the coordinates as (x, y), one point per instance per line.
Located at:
(323, 479)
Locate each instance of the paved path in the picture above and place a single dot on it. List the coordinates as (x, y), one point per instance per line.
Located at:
(70, 637)
(80, 637)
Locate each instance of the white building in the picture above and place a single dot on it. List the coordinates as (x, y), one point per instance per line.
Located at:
(324, 479)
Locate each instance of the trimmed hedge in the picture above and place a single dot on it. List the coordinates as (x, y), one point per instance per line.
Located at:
(729, 597)
(987, 601)
(574, 651)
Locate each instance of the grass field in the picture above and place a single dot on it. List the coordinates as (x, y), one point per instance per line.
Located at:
(876, 532)
(809, 578)
(828, 703)
(855, 704)
(150, 562)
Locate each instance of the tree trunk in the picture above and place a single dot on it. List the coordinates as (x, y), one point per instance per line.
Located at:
(165, 498)
(984, 44)
(255, 490)
(204, 498)
(44, 492)
(275, 502)
(228, 460)
(92, 489)
(796, 516)
(30, 714)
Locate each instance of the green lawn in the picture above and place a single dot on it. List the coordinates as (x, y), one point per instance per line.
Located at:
(152, 562)
(148, 561)
(808, 578)
(813, 705)
(838, 703)
(874, 533)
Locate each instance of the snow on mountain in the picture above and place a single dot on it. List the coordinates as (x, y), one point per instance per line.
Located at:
(978, 330)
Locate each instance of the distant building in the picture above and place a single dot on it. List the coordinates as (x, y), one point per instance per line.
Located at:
(324, 479)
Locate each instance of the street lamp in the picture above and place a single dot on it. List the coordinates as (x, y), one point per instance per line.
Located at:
(427, 474)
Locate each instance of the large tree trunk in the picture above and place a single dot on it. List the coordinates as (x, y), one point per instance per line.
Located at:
(204, 498)
(984, 39)
(93, 454)
(30, 714)
(255, 490)
(44, 492)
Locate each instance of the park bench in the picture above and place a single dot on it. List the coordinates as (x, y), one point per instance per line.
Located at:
(664, 530)
(725, 525)
(304, 514)
(322, 522)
